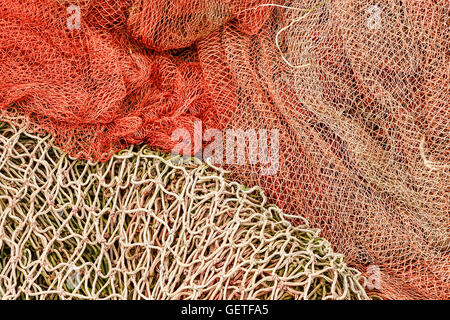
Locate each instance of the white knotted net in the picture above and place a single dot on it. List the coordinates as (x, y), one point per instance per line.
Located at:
(143, 226)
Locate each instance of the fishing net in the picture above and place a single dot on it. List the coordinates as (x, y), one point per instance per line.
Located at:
(357, 91)
(144, 226)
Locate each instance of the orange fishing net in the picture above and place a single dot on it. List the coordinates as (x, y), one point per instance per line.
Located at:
(358, 91)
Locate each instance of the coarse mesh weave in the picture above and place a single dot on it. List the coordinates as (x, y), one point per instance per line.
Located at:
(358, 90)
(143, 226)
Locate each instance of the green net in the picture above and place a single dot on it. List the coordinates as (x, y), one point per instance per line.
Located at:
(145, 225)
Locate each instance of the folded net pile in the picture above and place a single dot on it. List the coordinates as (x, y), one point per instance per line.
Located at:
(144, 226)
(357, 90)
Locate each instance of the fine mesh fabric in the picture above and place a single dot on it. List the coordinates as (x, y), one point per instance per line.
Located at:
(145, 225)
(358, 91)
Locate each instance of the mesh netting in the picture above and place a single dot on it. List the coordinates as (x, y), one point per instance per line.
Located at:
(145, 226)
(71, 67)
(364, 149)
(358, 91)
